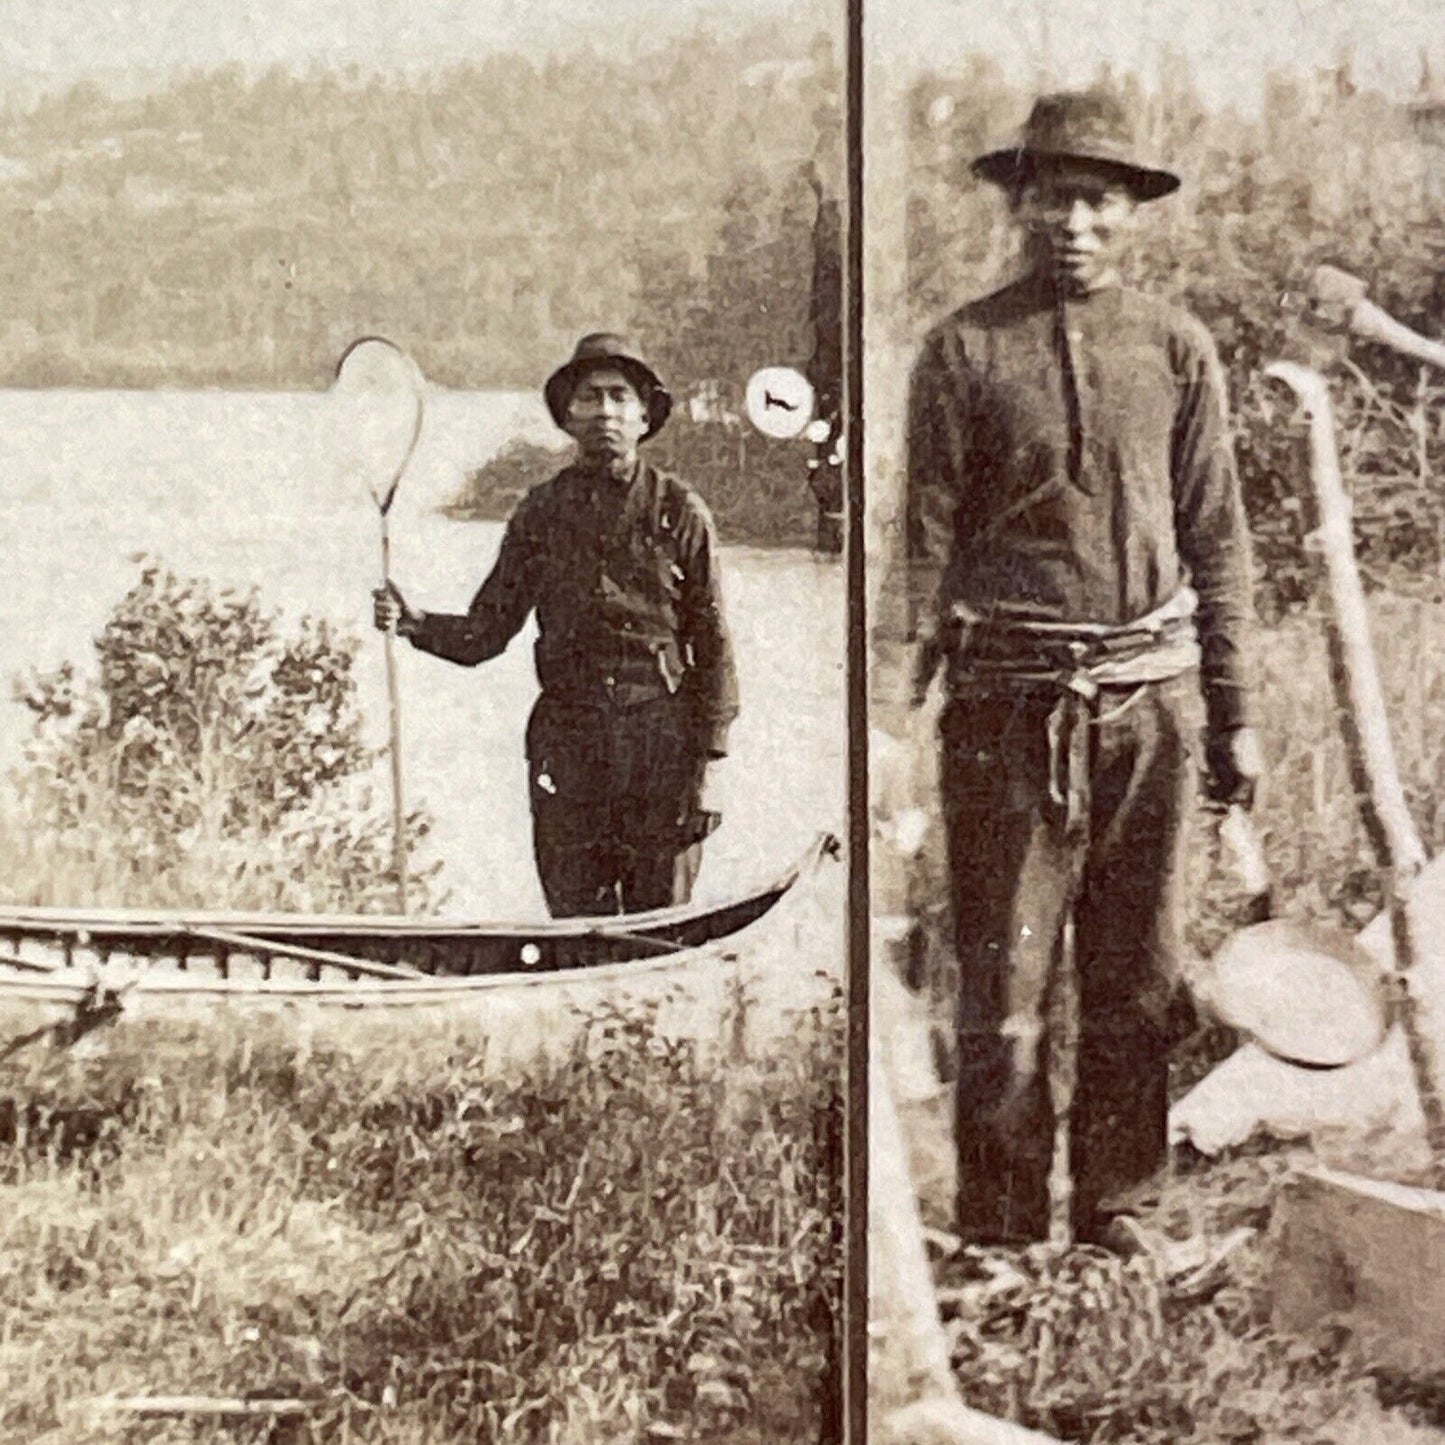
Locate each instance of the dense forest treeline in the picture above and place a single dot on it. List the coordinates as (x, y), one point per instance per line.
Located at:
(238, 230)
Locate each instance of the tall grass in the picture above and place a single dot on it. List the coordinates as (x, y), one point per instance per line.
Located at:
(619, 1246)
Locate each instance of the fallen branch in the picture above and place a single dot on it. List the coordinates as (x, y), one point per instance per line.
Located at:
(216, 1405)
(28, 965)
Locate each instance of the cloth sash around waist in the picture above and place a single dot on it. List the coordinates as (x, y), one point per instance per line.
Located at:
(1079, 660)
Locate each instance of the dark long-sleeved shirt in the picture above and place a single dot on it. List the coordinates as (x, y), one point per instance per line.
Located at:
(1070, 460)
(623, 577)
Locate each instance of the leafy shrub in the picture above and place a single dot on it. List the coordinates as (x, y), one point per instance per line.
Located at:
(211, 758)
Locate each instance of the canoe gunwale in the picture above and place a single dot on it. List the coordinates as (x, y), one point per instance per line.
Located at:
(141, 921)
(391, 992)
(89, 983)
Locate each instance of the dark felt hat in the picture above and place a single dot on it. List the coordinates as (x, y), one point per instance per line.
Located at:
(605, 348)
(1089, 126)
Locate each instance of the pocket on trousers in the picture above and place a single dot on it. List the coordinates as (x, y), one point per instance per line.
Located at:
(564, 763)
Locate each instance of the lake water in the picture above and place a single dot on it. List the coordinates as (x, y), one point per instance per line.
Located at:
(261, 489)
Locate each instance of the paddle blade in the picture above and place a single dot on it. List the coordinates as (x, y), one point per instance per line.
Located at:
(1307, 995)
(378, 392)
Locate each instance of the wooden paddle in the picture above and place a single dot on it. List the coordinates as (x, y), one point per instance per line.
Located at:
(249, 943)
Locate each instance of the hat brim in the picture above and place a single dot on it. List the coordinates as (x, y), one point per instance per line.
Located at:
(557, 392)
(1017, 163)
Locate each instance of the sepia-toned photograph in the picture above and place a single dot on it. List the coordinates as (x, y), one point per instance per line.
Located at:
(423, 915)
(1155, 356)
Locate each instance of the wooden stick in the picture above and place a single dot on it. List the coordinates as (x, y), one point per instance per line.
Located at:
(638, 940)
(1374, 324)
(29, 965)
(393, 697)
(900, 1278)
(1356, 677)
(949, 1422)
(384, 497)
(1339, 301)
(197, 1405)
(1366, 728)
(901, 1282)
(245, 942)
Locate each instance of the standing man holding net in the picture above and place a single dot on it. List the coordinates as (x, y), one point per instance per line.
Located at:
(638, 683)
(1078, 565)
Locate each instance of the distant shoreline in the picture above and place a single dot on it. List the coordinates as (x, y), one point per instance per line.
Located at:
(730, 540)
(765, 504)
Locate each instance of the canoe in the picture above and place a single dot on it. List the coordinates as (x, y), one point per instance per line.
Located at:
(72, 957)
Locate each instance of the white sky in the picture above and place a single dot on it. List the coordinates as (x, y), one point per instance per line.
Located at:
(1229, 45)
(67, 39)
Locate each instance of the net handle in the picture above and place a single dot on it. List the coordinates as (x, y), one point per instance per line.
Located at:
(383, 500)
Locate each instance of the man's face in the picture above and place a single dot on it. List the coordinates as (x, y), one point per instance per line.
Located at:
(606, 416)
(1078, 218)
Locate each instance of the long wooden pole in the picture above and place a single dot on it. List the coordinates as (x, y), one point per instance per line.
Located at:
(1356, 677)
(1366, 727)
(1339, 300)
(393, 696)
(905, 1307)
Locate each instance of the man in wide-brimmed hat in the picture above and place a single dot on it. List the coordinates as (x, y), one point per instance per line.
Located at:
(1079, 565)
(638, 686)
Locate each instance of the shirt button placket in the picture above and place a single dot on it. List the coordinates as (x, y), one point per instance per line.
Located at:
(1070, 342)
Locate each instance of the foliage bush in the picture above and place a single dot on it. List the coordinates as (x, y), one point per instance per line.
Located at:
(756, 488)
(212, 758)
(492, 491)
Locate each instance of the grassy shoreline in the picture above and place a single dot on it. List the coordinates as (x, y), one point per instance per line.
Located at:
(426, 1230)
(612, 1247)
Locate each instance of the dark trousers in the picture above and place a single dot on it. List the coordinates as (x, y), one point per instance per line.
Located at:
(1018, 879)
(615, 796)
